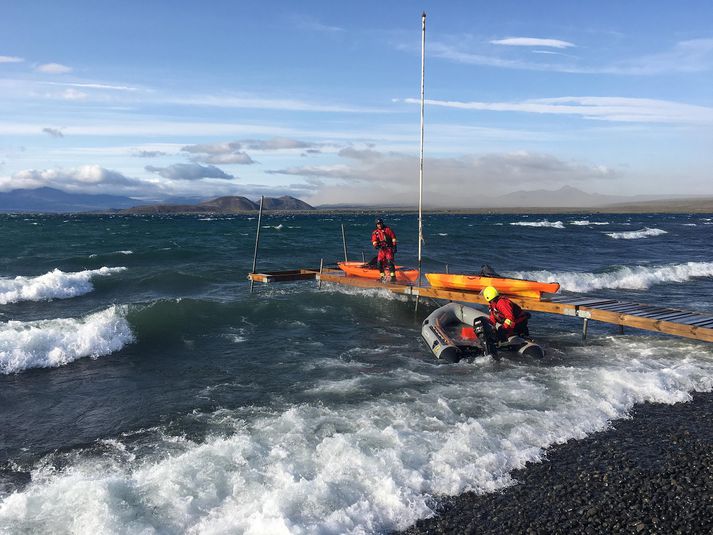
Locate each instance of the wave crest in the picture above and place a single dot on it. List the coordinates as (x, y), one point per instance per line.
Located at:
(636, 234)
(545, 223)
(55, 284)
(56, 342)
(625, 277)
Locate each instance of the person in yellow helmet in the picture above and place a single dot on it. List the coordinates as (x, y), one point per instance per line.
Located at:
(507, 316)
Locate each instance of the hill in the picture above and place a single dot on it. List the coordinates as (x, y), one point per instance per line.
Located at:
(223, 205)
(57, 201)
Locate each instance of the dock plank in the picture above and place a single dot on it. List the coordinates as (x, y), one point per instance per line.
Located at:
(649, 317)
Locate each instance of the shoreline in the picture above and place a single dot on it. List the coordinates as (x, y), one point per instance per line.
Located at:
(651, 473)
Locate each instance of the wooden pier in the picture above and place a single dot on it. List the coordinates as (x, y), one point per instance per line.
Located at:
(676, 322)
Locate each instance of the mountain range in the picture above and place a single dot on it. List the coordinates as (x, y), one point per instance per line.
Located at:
(51, 200)
(56, 201)
(223, 205)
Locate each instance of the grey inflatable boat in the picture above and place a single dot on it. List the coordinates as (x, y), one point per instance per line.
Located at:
(454, 331)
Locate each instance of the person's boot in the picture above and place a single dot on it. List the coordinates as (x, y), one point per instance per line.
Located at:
(382, 277)
(392, 278)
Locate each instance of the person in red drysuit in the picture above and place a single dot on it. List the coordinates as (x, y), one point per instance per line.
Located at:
(384, 240)
(507, 316)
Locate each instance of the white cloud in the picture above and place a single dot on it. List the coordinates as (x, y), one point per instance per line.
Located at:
(10, 59)
(249, 102)
(311, 24)
(189, 171)
(219, 153)
(82, 179)
(53, 68)
(532, 41)
(620, 109)
(95, 86)
(279, 143)
(373, 177)
(54, 132)
(694, 55)
(73, 94)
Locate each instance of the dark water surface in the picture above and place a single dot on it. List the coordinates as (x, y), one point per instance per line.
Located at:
(144, 389)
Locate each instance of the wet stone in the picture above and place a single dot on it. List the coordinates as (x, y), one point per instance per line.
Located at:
(652, 473)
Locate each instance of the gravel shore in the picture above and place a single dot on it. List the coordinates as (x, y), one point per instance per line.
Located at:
(652, 473)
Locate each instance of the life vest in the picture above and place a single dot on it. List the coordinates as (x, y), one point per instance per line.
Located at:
(507, 313)
(383, 237)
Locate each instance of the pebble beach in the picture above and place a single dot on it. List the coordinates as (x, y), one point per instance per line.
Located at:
(652, 473)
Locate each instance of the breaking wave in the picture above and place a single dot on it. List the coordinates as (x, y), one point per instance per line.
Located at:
(53, 285)
(585, 222)
(545, 223)
(56, 342)
(631, 278)
(357, 469)
(636, 234)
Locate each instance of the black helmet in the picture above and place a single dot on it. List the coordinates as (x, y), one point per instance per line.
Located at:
(379, 221)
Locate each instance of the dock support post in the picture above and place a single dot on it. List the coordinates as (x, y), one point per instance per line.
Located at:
(257, 242)
(585, 328)
(621, 329)
(321, 266)
(344, 242)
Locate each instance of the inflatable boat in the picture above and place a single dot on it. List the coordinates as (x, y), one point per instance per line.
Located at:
(370, 271)
(455, 331)
(520, 287)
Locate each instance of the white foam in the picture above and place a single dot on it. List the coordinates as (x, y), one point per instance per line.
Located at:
(356, 468)
(56, 342)
(545, 223)
(585, 222)
(53, 285)
(625, 277)
(126, 252)
(636, 234)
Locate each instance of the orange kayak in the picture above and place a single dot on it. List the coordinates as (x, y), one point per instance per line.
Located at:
(519, 287)
(360, 269)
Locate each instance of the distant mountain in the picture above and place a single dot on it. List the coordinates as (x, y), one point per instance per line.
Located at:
(569, 197)
(566, 196)
(284, 203)
(57, 201)
(223, 205)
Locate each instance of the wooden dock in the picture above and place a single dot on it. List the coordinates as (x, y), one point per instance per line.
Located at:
(676, 322)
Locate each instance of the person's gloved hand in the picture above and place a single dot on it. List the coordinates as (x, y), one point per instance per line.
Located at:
(377, 246)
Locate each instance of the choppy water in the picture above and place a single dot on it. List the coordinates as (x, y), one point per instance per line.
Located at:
(144, 390)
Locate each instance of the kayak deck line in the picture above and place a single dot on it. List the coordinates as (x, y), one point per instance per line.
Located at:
(648, 317)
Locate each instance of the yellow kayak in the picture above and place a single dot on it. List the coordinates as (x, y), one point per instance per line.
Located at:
(475, 283)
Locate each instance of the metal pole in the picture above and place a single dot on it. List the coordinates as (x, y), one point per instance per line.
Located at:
(585, 328)
(363, 258)
(257, 242)
(344, 242)
(321, 266)
(420, 174)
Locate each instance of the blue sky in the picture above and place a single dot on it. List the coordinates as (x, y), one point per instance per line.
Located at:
(320, 99)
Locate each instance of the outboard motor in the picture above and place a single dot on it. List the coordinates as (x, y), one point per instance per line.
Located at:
(486, 336)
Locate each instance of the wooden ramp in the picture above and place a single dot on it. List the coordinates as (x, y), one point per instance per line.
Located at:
(676, 322)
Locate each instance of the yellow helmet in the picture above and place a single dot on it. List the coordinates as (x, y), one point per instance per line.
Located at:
(490, 293)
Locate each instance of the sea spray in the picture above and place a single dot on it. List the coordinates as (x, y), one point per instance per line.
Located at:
(365, 467)
(53, 285)
(56, 342)
(645, 232)
(545, 223)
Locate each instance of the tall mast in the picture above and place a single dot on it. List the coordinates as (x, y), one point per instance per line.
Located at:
(420, 182)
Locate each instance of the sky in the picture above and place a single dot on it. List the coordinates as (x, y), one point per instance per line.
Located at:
(321, 100)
